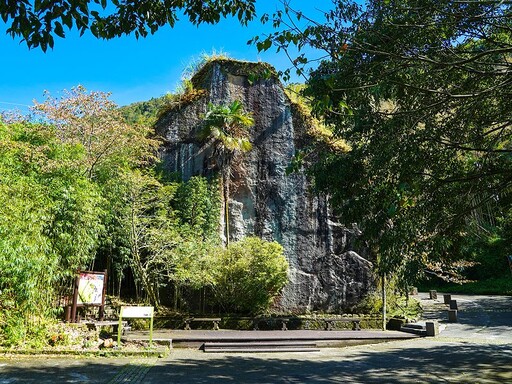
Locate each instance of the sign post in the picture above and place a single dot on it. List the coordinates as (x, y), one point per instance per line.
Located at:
(135, 313)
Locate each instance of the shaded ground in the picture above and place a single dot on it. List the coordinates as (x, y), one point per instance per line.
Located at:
(477, 349)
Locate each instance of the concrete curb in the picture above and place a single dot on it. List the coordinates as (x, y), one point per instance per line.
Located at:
(103, 353)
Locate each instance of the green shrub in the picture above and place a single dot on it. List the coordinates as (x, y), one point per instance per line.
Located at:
(397, 303)
(251, 273)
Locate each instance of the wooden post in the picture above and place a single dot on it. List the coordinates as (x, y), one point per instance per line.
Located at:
(67, 313)
(384, 302)
(75, 298)
(102, 306)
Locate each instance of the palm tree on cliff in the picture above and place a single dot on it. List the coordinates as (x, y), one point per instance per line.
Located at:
(226, 126)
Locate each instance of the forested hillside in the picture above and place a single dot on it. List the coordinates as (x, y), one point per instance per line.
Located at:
(144, 112)
(420, 91)
(81, 189)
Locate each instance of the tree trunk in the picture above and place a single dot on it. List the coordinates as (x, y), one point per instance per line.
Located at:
(138, 267)
(384, 302)
(176, 296)
(225, 189)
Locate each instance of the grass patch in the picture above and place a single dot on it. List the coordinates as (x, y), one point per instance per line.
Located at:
(396, 305)
(495, 286)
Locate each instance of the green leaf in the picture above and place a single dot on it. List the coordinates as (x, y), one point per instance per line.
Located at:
(59, 31)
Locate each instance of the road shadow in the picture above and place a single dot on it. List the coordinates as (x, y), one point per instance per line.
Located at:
(457, 363)
(419, 363)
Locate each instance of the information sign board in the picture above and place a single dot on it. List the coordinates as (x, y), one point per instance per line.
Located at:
(90, 288)
(135, 313)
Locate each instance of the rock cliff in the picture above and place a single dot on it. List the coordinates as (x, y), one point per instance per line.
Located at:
(326, 273)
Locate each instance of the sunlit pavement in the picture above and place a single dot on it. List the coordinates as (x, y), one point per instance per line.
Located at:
(486, 319)
(477, 349)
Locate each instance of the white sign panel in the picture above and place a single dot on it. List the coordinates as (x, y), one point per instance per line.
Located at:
(137, 312)
(90, 288)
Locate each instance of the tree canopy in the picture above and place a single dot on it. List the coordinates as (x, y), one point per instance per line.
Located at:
(39, 22)
(420, 89)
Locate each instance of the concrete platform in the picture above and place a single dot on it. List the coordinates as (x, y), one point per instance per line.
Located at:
(195, 338)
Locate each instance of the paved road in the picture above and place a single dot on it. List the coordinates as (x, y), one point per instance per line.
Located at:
(478, 349)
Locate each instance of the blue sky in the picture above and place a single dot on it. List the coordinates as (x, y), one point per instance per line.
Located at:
(133, 70)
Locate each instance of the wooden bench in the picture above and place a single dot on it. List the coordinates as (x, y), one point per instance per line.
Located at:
(214, 320)
(329, 323)
(97, 325)
(282, 320)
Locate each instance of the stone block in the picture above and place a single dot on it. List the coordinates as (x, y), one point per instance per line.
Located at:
(432, 328)
(395, 323)
(452, 315)
(447, 299)
(433, 295)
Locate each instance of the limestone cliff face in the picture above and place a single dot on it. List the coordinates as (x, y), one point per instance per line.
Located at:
(325, 272)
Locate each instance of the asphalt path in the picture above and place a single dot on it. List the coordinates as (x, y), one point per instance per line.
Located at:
(476, 349)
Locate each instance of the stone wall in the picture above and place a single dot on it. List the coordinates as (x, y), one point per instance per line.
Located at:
(326, 273)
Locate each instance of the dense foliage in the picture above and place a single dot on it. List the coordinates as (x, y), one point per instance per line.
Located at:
(144, 112)
(420, 89)
(250, 274)
(50, 222)
(39, 22)
(82, 189)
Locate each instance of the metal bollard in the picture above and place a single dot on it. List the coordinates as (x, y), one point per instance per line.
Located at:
(447, 299)
(453, 304)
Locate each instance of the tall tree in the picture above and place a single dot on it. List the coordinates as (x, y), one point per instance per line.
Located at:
(113, 149)
(148, 214)
(92, 120)
(225, 126)
(39, 22)
(420, 89)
